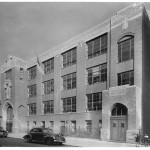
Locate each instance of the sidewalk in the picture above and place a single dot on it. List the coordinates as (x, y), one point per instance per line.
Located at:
(82, 142)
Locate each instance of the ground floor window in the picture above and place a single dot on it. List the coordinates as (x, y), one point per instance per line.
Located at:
(73, 126)
(34, 123)
(43, 124)
(51, 125)
(89, 125)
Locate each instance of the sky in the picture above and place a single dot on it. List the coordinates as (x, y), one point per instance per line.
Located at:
(26, 27)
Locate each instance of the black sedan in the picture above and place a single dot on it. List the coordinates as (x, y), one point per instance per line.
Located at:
(44, 135)
(3, 133)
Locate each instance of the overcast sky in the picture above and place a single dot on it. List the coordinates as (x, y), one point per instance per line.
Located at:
(26, 27)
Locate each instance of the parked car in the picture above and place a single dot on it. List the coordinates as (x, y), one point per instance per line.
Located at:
(44, 135)
(3, 133)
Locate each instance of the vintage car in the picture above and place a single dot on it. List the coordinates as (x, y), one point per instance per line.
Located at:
(3, 133)
(44, 135)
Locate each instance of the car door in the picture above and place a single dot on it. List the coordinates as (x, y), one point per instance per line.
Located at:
(33, 133)
(39, 134)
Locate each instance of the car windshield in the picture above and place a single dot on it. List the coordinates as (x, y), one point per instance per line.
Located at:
(47, 130)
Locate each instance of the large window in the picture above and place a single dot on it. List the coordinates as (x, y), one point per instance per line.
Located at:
(126, 78)
(97, 74)
(48, 86)
(48, 66)
(48, 107)
(31, 91)
(94, 101)
(32, 109)
(69, 104)
(69, 81)
(32, 73)
(8, 74)
(97, 46)
(69, 57)
(126, 49)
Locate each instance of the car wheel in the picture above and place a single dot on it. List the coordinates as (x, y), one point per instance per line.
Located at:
(49, 142)
(28, 139)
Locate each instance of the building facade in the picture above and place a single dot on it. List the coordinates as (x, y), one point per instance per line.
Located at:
(94, 85)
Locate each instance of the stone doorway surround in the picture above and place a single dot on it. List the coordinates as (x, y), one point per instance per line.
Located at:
(130, 96)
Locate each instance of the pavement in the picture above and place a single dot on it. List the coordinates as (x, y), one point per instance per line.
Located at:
(82, 142)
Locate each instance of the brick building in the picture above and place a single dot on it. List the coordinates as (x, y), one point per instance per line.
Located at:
(94, 85)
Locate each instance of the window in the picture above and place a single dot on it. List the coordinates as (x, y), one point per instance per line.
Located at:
(48, 107)
(89, 125)
(94, 102)
(48, 66)
(73, 126)
(97, 74)
(69, 104)
(48, 86)
(21, 73)
(32, 73)
(34, 123)
(32, 109)
(51, 125)
(8, 74)
(69, 57)
(126, 78)
(32, 91)
(97, 46)
(69, 81)
(43, 124)
(126, 49)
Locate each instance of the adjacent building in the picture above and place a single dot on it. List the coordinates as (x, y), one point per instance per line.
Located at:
(95, 85)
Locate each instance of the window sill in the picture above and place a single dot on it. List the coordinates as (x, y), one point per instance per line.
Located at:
(124, 61)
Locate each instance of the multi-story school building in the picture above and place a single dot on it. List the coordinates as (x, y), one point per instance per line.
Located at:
(95, 85)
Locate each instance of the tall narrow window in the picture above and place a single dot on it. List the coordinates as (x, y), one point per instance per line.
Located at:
(97, 46)
(32, 91)
(126, 78)
(89, 126)
(126, 48)
(69, 57)
(32, 109)
(32, 73)
(48, 66)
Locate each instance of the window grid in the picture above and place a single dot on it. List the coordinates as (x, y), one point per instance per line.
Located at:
(32, 90)
(97, 46)
(32, 109)
(69, 81)
(48, 66)
(126, 78)
(94, 102)
(69, 57)
(69, 104)
(48, 86)
(126, 50)
(48, 107)
(32, 73)
(97, 74)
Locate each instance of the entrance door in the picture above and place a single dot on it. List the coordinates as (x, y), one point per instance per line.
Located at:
(118, 127)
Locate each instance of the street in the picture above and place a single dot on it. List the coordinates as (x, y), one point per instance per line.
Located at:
(16, 142)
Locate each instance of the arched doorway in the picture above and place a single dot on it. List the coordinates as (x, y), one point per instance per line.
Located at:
(118, 122)
(9, 121)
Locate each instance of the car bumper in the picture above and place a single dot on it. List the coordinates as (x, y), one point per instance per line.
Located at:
(59, 141)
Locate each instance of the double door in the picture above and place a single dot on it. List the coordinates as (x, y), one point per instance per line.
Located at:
(118, 127)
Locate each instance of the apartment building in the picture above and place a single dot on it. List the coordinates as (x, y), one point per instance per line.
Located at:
(95, 85)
